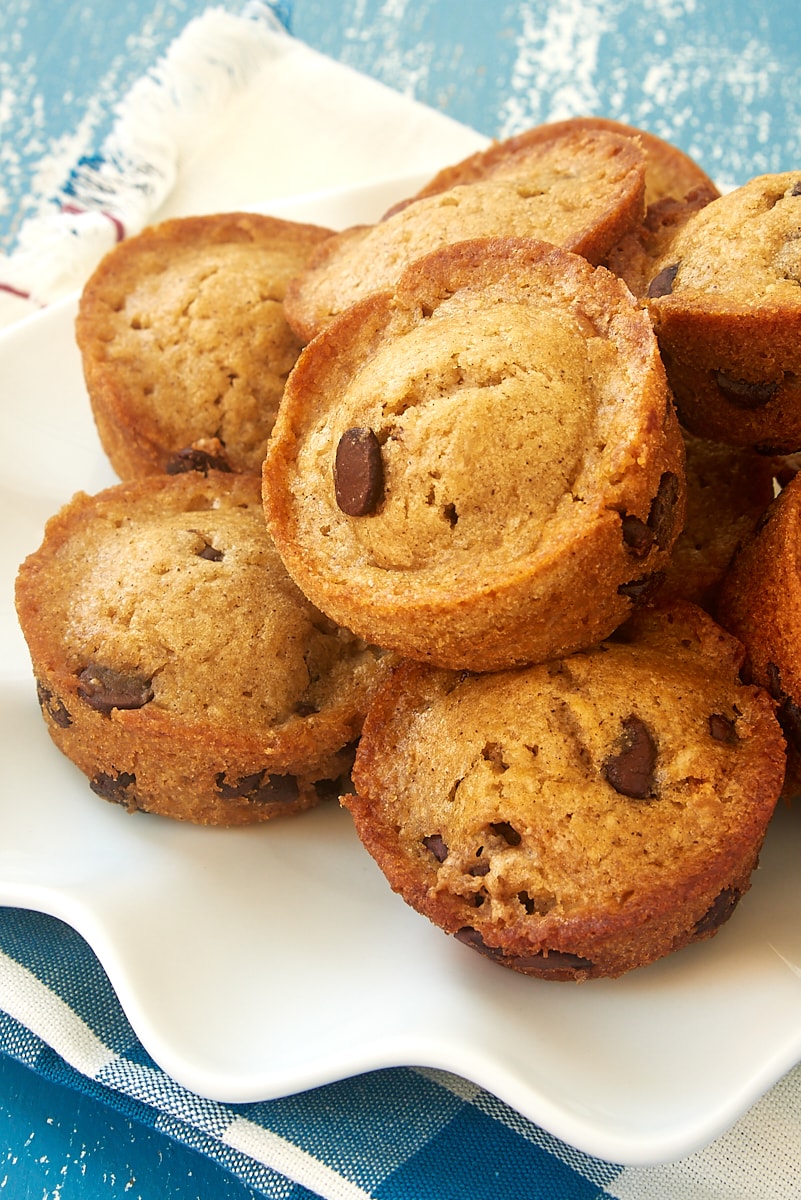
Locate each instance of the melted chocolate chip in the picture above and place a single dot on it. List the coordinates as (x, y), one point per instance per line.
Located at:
(630, 770)
(722, 729)
(259, 788)
(358, 472)
(640, 590)
(210, 553)
(436, 845)
(795, 190)
(662, 284)
(775, 681)
(332, 789)
(543, 963)
(116, 788)
(788, 715)
(639, 536)
(547, 964)
(788, 712)
(719, 912)
(192, 459)
(636, 535)
(55, 708)
(744, 393)
(661, 518)
(105, 689)
(507, 832)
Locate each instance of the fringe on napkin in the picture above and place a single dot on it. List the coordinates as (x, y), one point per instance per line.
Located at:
(111, 195)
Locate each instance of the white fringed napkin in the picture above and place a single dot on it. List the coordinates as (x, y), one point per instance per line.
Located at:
(236, 113)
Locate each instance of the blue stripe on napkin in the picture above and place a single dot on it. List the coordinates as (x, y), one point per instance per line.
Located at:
(394, 1134)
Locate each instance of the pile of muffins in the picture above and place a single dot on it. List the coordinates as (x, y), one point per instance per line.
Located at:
(482, 518)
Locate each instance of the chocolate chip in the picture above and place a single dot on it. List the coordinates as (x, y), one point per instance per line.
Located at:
(548, 963)
(662, 284)
(788, 715)
(544, 963)
(744, 393)
(116, 788)
(722, 729)
(774, 684)
(259, 788)
(507, 832)
(661, 517)
(332, 789)
(480, 869)
(719, 911)
(472, 938)
(640, 590)
(105, 689)
(795, 190)
(630, 770)
(639, 536)
(788, 712)
(358, 472)
(193, 459)
(207, 551)
(50, 704)
(636, 535)
(436, 845)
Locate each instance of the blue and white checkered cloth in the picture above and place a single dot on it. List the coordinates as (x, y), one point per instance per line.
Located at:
(400, 1133)
(394, 1134)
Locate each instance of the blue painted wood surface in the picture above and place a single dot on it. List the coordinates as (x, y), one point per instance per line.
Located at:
(57, 1145)
(721, 80)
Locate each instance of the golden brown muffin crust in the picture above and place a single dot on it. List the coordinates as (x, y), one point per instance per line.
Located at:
(581, 190)
(726, 306)
(577, 818)
(728, 490)
(171, 648)
(760, 603)
(183, 338)
(531, 464)
(669, 172)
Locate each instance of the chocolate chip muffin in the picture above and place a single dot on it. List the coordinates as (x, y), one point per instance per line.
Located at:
(669, 172)
(760, 603)
(728, 490)
(580, 189)
(676, 186)
(184, 342)
(726, 306)
(638, 255)
(483, 468)
(578, 818)
(176, 663)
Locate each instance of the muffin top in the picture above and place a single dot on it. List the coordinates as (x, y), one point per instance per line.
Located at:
(183, 337)
(574, 806)
(669, 172)
(487, 420)
(166, 595)
(740, 253)
(580, 190)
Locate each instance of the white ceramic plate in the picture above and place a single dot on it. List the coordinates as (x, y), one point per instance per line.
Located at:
(254, 963)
